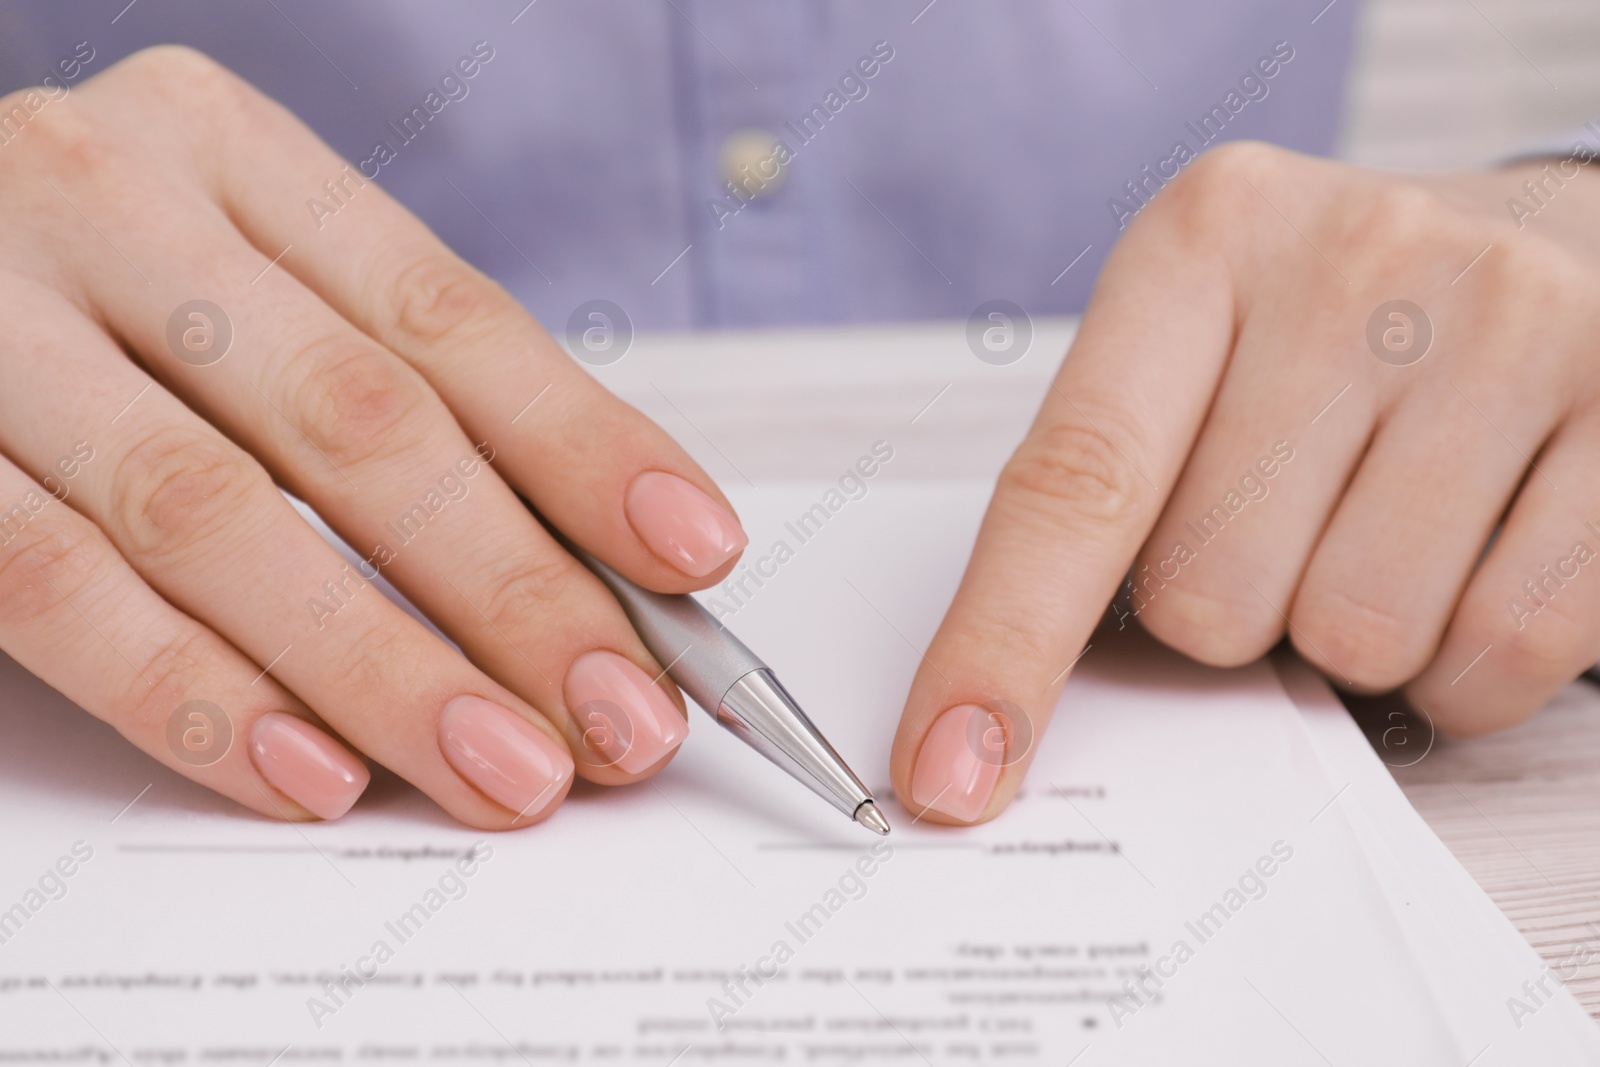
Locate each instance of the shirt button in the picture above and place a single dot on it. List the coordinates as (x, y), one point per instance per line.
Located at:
(750, 160)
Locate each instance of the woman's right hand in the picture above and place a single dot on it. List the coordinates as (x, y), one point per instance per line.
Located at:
(184, 336)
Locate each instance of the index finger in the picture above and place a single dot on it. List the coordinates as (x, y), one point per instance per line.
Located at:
(1069, 513)
(601, 471)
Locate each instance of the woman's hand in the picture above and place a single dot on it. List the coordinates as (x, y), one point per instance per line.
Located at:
(1303, 399)
(183, 332)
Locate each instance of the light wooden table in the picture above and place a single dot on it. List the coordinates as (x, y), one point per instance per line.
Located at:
(1520, 809)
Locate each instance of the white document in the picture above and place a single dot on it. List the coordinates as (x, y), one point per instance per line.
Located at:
(1198, 871)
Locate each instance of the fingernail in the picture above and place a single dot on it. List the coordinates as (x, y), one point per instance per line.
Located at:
(624, 719)
(952, 776)
(504, 755)
(307, 765)
(681, 524)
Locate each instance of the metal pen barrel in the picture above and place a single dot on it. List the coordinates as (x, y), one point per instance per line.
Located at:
(735, 687)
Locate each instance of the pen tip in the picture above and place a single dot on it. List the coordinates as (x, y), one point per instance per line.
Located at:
(869, 816)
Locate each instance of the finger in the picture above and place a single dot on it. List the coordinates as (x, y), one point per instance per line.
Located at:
(204, 525)
(1070, 510)
(1529, 621)
(602, 472)
(75, 613)
(1223, 562)
(358, 434)
(1395, 557)
(361, 437)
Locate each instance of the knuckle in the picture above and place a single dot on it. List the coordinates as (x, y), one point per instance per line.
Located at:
(208, 104)
(1546, 283)
(527, 589)
(1205, 625)
(80, 139)
(178, 72)
(1523, 268)
(382, 659)
(1226, 165)
(1028, 644)
(65, 139)
(178, 488)
(1548, 645)
(1002, 619)
(171, 675)
(1405, 208)
(437, 297)
(44, 560)
(1363, 642)
(1066, 467)
(354, 401)
(1212, 190)
(1400, 221)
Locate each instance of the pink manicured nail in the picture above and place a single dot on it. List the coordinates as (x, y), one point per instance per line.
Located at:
(306, 764)
(955, 773)
(503, 754)
(625, 720)
(681, 524)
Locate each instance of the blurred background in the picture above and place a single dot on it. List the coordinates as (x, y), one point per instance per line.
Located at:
(989, 159)
(1452, 83)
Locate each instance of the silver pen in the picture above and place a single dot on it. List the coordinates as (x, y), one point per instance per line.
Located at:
(736, 688)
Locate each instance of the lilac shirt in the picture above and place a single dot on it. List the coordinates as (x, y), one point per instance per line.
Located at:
(988, 148)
